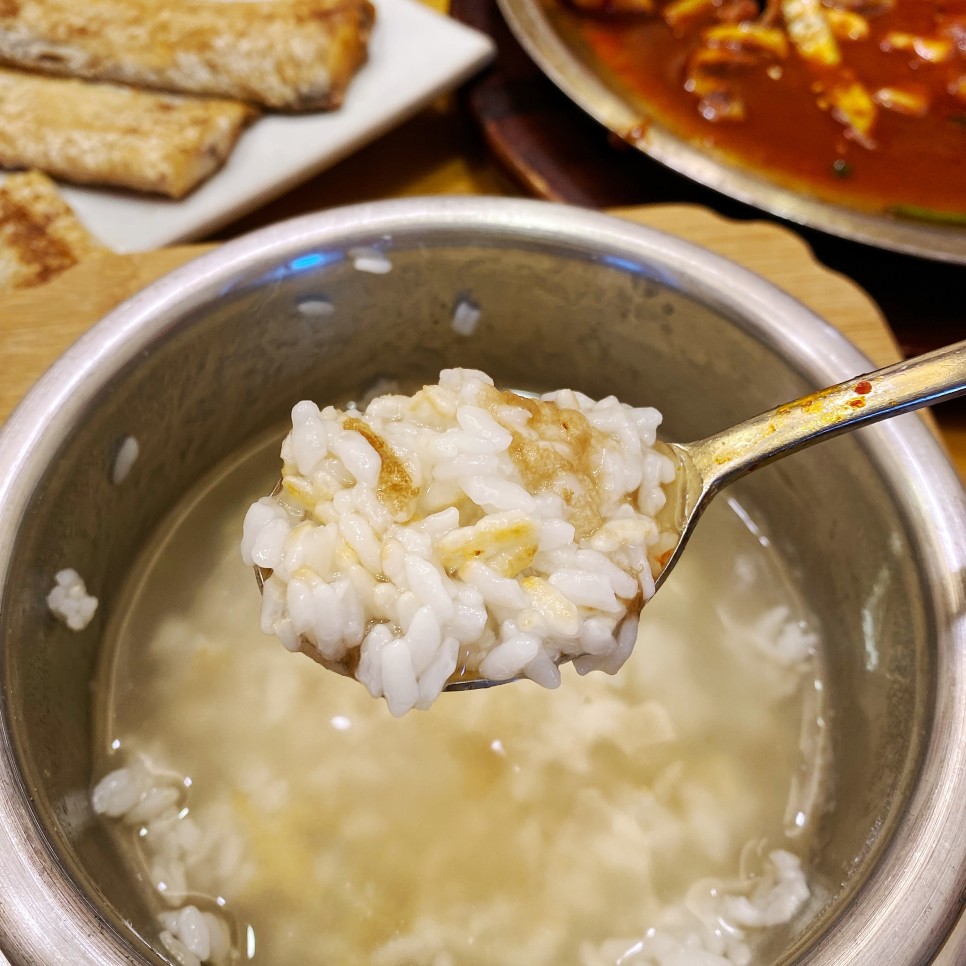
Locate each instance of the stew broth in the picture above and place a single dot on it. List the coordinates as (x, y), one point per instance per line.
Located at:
(797, 119)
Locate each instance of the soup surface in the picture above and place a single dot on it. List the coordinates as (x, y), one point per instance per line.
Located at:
(657, 816)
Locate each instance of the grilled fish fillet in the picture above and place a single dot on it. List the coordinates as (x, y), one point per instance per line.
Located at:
(112, 135)
(291, 55)
(40, 236)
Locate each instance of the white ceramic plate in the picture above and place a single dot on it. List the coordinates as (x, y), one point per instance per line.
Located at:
(414, 55)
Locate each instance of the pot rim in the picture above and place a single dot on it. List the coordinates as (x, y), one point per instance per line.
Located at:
(908, 905)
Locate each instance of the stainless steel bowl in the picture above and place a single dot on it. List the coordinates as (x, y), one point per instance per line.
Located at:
(215, 353)
(548, 33)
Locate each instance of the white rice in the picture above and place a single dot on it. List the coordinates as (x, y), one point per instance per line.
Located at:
(127, 456)
(170, 842)
(711, 928)
(462, 531)
(370, 260)
(314, 308)
(69, 601)
(194, 937)
(466, 317)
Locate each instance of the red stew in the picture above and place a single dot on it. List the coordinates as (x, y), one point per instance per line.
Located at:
(859, 102)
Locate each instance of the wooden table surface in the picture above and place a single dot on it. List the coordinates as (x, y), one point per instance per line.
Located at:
(437, 152)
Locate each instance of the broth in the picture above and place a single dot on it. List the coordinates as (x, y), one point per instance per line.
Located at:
(515, 825)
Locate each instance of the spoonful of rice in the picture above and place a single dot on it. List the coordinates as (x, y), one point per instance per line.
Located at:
(466, 536)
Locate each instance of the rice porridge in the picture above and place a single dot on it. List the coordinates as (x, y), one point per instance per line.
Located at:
(281, 815)
(462, 532)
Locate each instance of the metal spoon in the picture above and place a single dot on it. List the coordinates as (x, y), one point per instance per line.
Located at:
(708, 465)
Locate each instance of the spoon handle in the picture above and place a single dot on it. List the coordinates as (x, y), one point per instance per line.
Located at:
(921, 381)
